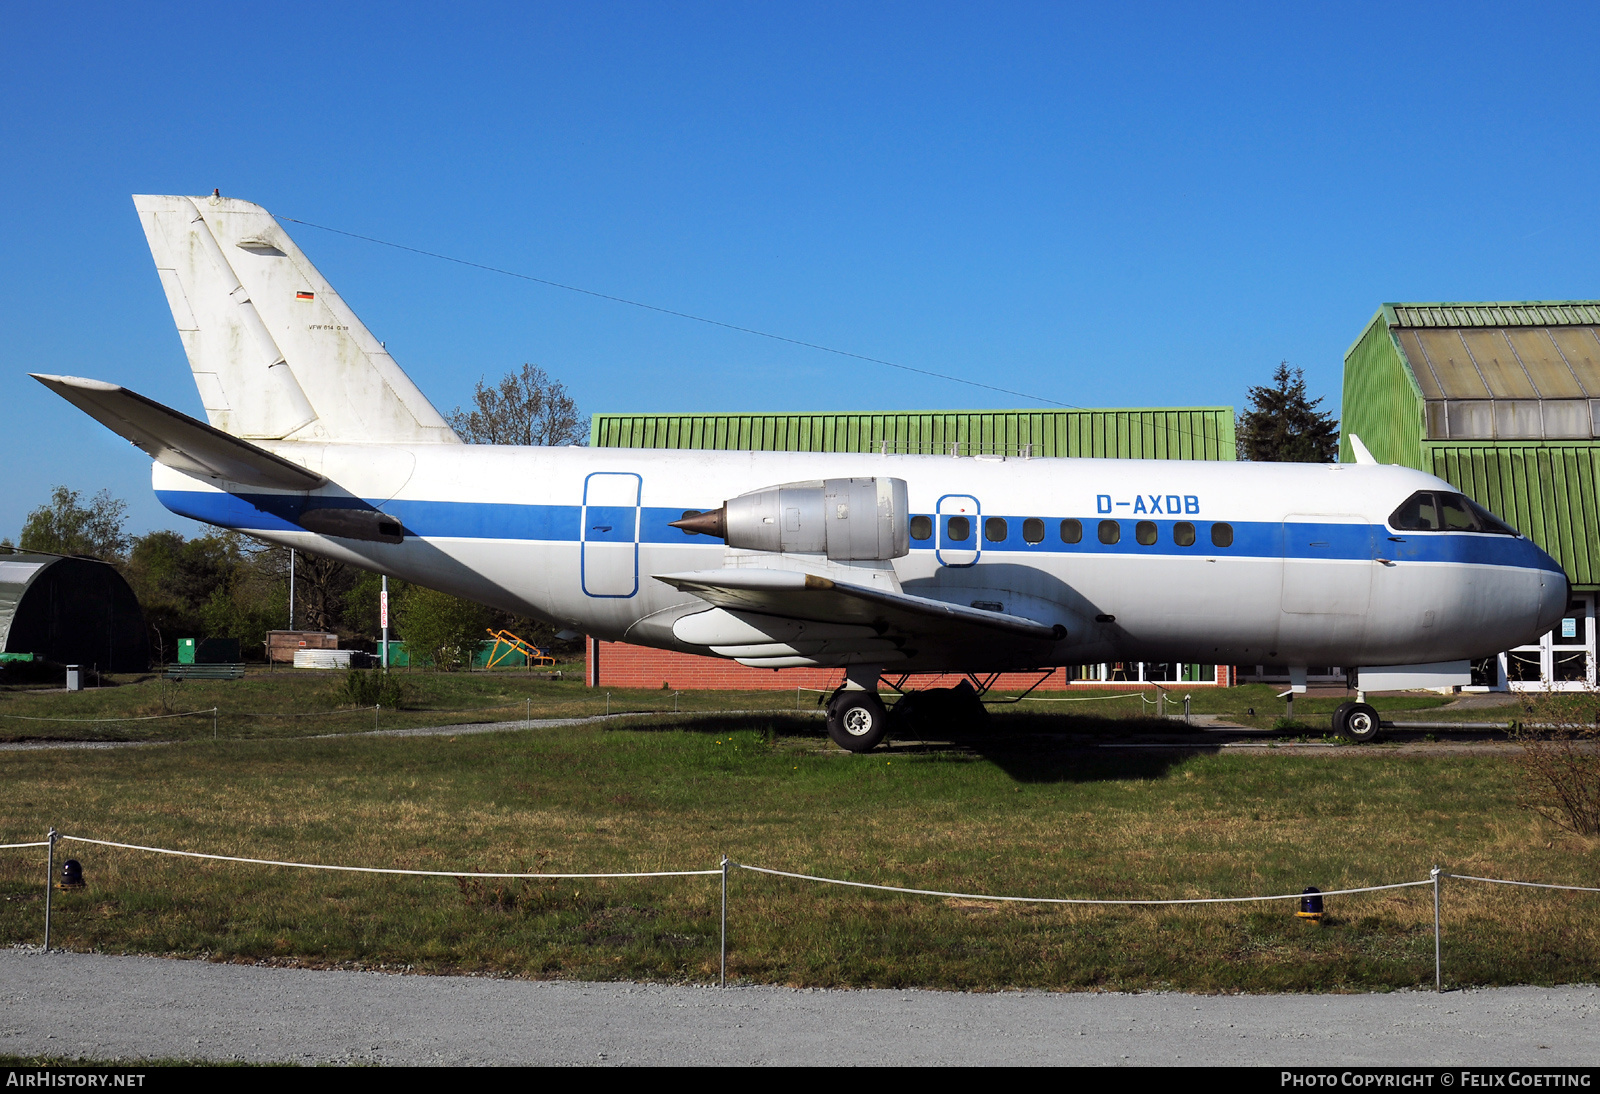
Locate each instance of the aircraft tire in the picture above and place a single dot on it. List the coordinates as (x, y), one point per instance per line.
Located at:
(857, 721)
(1361, 723)
(1339, 716)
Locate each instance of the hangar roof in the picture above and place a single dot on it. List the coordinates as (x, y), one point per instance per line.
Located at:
(1517, 313)
(1517, 370)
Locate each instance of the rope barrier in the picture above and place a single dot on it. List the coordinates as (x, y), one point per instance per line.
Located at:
(1433, 880)
(1526, 884)
(375, 869)
(129, 718)
(1073, 900)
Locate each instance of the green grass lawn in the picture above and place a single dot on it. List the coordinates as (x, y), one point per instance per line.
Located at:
(292, 703)
(288, 703)
(1012, 815)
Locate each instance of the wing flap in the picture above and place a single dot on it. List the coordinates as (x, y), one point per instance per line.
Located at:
(177, 440)
(810, 597)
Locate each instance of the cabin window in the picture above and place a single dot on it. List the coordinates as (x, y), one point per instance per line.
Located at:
(1222, 535)
(922, 527)
(1183, 534)
(1110, 532)
(994, 529)
(1145, 533)
(958, 530)
(1033, 530)
(1071, 531)
(687, 513)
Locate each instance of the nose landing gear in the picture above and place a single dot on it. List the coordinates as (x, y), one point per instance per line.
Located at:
(1358, 721)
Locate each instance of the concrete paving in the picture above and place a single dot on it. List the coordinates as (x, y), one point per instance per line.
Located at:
(111, 1007)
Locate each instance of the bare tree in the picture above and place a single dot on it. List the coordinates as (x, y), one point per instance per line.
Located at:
(523, 408)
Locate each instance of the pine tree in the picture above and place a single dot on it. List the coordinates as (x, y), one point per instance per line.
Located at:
(1284, 426)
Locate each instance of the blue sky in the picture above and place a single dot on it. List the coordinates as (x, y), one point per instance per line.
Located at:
(1102, 205)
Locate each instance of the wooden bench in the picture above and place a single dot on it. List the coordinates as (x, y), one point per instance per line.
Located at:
(204, 672)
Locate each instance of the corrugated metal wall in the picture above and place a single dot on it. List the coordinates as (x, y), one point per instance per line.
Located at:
(1188, 433)
(1382, 403)
(1548, 491)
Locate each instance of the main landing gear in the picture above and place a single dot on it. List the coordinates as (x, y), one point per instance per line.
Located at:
(858, 720)
(1358, 721)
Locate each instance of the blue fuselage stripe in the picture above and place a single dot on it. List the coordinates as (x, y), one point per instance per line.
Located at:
(613, 524)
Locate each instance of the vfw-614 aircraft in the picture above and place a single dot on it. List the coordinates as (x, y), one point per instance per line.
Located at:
(874, 563)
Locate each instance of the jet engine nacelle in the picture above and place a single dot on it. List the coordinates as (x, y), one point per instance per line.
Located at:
(849, 520)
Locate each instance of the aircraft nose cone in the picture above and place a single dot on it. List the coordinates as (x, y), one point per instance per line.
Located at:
(1554, 595)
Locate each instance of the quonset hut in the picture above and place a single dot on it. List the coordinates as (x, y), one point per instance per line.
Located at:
(70, 611)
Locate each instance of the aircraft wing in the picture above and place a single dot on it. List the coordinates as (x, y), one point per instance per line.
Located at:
(177, 440)
(792, 595)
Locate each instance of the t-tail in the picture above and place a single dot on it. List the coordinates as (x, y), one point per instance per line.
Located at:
(276, 354)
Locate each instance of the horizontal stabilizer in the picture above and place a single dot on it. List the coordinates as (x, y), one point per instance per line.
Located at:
(177, 440)
(807, 596)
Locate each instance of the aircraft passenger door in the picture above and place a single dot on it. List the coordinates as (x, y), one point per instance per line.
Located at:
(609, 536)
(1327, 564)
(960, 532)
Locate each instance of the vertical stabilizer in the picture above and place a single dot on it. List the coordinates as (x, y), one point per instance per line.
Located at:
(275, 352)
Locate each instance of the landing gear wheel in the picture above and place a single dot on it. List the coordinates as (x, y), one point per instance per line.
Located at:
(1339, 716)
(857, 721)
(1361, 723)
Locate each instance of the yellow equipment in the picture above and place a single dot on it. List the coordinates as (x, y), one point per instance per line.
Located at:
(506, 644)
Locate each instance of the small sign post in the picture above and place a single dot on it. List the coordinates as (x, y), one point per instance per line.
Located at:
(383, 618)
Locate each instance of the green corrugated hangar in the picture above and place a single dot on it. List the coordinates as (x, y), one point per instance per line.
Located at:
(1503, 402)
(1170, 433)
(1176, 433)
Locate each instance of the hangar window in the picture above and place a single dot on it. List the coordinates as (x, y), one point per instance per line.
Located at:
(958, 530)
(922, 527)
(994, 529)
(1442, 511)
(1071, 531)
(1033, 530)
(1183, 534)
(1502, 377)
(1110, 531)
(1222, 535)
(1145, 533)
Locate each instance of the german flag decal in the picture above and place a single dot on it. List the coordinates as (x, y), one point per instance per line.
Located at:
(305, 296)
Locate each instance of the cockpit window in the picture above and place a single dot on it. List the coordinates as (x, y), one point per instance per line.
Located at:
(1488, 522)
(1441, 511)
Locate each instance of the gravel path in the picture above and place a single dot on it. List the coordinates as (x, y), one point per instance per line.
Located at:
(105, 1007)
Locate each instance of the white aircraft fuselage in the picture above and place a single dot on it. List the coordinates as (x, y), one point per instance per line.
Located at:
(1312, 575)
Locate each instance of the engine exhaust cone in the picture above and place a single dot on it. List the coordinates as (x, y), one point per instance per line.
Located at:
(714, 523)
